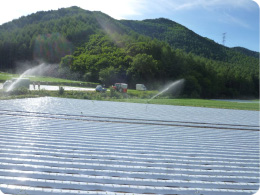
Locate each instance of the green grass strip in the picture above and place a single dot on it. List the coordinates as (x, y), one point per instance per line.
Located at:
(199, 103)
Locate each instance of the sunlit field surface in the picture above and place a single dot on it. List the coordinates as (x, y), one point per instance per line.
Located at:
(68, 146)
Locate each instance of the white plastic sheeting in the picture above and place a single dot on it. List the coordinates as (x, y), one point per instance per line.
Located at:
(65, 146)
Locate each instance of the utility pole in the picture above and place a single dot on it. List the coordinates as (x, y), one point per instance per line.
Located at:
(224, 38)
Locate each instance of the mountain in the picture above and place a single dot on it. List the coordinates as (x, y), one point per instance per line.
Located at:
(95, 47)
(180, 37)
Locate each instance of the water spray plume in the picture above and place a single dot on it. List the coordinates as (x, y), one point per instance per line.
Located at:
(17, 81)
(37, 70)
(173, 86)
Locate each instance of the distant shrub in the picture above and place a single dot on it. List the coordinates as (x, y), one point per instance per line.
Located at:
(61, 90)
(20, 91)
(112, 91)
(115, 94)
(87, 96)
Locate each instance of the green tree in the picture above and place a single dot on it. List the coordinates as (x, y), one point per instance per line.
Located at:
(108, 76)
(143, 68)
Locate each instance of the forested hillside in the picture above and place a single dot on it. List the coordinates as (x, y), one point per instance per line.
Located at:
(92, 46)
(179, 37)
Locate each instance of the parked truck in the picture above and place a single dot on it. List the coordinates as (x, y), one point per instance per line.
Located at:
(121, 87)
(141, 87)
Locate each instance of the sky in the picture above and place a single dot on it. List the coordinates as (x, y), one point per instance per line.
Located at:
(229, 22)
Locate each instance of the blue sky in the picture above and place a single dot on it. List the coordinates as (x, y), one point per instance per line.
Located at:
(239, 19)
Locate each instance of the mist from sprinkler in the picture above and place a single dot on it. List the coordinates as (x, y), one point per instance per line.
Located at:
(37, 70)
(175, 86)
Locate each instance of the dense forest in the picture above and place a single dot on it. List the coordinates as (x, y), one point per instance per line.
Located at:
(92, 46)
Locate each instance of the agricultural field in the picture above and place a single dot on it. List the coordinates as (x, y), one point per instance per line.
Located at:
(48, 80)
(68, 146)
(7, 76)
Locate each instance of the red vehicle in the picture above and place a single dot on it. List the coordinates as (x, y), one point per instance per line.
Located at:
(121, 87)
